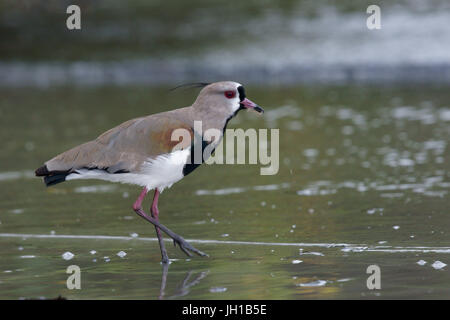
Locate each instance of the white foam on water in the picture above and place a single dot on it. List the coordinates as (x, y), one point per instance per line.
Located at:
(421, 262)
(375, 210)
(317, 283)
(220, 192)
(390, 249)
(227, 191)
(121, 254)
(438, 265)
(344, 280)
(217, 289)
(311, 253)
(311, 153)
(426, 187)
(424, 115)
(68, 255)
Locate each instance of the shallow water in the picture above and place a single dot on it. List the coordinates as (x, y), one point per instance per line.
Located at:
(363, 180)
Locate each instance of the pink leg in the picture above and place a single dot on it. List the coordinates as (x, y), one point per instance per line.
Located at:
(184, 246)
(138, 204)
(155, 213)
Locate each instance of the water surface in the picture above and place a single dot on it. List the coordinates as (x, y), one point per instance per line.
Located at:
(363, 180)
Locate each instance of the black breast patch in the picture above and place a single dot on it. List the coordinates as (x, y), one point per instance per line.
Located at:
(191, 165)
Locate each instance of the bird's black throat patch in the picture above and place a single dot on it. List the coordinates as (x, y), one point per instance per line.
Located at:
(241, 91)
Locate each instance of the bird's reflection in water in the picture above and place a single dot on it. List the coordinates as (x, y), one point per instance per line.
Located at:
(184, 287)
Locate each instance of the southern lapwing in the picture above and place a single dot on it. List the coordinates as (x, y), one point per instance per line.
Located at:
(141, 151)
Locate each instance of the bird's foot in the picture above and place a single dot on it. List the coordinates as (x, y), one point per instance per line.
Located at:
(183, 244)
(186, 247)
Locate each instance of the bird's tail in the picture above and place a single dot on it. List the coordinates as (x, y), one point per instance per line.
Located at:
(51, 177)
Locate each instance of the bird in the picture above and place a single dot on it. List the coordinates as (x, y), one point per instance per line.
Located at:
(142, 152)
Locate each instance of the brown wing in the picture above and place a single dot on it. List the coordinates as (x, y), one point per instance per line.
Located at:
(125, 147)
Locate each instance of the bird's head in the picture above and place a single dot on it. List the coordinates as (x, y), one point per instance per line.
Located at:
(225, 97)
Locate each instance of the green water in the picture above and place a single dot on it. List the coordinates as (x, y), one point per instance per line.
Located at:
(363, 180)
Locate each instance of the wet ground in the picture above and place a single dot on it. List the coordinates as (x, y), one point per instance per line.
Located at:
(363, 180)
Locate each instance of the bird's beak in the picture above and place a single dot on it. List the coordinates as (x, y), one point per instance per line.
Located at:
(251, 105)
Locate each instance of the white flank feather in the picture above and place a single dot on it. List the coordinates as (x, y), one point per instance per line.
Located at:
(161, 172)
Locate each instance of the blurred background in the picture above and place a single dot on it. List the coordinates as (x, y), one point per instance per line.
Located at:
(285, 41)
(364, 148)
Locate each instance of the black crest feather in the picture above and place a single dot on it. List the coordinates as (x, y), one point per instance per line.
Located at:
(191, 85)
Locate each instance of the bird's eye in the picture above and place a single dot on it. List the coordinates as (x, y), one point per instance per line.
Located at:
(230, 94)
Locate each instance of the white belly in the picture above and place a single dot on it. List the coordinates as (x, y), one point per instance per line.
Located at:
(161, 172)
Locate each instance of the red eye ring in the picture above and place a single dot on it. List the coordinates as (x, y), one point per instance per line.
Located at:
(230, 94)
